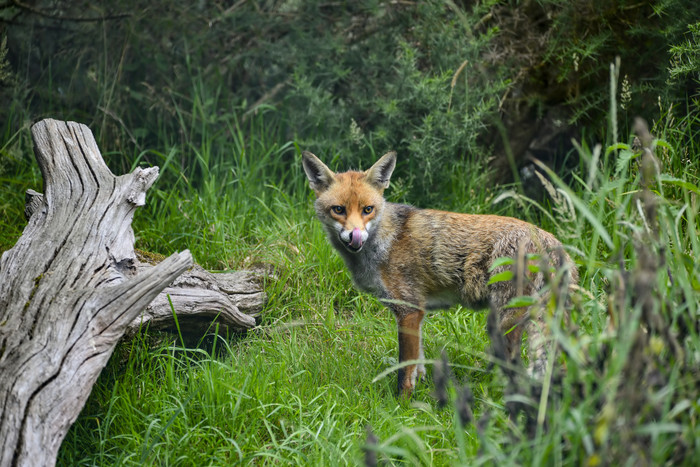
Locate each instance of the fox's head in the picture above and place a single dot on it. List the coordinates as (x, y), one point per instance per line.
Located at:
(349, 204)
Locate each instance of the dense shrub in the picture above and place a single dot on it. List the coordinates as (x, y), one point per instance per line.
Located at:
(427, 79)
(376, 76)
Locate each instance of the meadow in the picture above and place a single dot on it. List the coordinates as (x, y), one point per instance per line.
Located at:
(315, 382)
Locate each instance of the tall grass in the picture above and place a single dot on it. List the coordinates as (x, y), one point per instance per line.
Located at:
(630, 390)
(18, 172)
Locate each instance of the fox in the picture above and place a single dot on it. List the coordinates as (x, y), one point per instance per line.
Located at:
(419, 260)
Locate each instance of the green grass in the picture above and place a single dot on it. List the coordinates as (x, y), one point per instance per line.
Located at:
(18, 172)
(298, 392)
(303, 387)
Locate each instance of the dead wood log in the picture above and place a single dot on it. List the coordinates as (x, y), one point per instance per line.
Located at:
(200, 299)
(68, 290)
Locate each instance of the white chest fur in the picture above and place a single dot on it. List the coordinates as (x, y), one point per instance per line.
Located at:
(364, 269)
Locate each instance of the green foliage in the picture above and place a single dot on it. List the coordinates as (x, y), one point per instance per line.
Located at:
(685, 57)
(427, 79)
(630, 383)
(409, 97)
(562, 51)
(376, 75)
(5, 70)
(18, 172)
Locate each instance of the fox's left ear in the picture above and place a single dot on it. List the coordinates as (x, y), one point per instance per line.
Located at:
(380, 173)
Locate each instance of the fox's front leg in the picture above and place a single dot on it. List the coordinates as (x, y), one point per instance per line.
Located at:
(410, 348)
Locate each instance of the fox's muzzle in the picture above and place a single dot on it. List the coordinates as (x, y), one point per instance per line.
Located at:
(356, 238)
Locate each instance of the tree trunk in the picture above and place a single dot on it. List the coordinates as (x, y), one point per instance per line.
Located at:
(68, 290)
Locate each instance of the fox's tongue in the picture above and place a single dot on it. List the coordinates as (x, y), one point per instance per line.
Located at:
(356, 238)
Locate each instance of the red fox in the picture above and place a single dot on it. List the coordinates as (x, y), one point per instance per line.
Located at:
(417, 260)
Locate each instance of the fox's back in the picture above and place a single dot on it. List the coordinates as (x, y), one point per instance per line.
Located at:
(448, 255)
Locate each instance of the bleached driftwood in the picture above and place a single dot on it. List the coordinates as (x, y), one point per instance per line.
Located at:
(68, 289)
(201, 299)
(71, 287)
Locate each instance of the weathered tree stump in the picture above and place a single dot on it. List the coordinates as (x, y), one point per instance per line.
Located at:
(200, 299)
(72, 286)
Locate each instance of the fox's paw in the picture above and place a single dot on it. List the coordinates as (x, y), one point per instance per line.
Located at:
(420, 372)
(408, 376)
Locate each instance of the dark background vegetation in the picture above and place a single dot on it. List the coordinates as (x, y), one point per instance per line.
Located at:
(373, 74)
(477, 98)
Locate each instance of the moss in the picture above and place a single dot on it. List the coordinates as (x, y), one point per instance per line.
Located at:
(148, 257)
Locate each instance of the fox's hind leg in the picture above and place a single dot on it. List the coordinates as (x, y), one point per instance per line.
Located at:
(512, 323)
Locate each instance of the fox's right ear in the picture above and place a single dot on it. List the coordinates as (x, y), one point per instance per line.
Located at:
(380, 173)
(319, 175)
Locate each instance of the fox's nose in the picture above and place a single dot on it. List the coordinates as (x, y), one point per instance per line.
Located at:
(356, 238)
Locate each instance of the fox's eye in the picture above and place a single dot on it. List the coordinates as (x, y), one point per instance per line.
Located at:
(368, 209)
(340, 210)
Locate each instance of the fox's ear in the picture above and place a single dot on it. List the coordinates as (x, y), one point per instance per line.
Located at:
(319, 175)
(380, 173)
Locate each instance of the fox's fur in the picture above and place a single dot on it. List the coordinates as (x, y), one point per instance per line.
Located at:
(424, 259)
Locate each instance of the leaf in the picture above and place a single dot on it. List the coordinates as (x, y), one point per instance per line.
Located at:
(504, 276)
(623, 159)
(398, 366)
(660, 428)
(616, 147)
(670, 180)
(521, 302)
(679, 408)
(502, 261)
